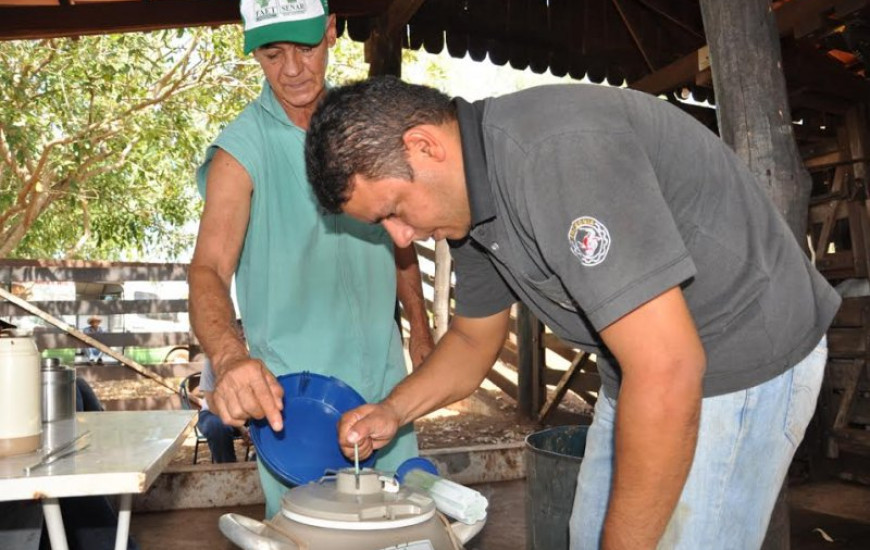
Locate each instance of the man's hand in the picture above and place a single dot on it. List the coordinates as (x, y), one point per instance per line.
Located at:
(246, 389)
(420, 345)
(372, 426)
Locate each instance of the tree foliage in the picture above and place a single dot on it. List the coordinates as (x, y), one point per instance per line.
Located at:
(100, 136)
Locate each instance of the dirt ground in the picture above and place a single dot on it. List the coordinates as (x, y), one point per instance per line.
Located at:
(111, 390)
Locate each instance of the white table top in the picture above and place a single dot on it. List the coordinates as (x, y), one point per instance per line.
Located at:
(127, 451)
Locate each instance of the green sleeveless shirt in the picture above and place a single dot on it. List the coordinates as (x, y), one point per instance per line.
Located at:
(316, 292)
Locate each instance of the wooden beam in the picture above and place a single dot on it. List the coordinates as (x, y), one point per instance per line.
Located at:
(564, 383)
(383, 50)
(852, 312)
(111, 372)
(850, 387)
(62, 340)
(503, 383)
(837, 266)
(828, 160)
(631, 31)
(530, 363)
(98, 307)
(398, 14)
(661, 11)
(859, 438)
(678, 73)
(806, 67)
(558, 346)
(18, 22)
(831, 214)
(32, 271)
(804, 17)
(441, 297)
(685, 70)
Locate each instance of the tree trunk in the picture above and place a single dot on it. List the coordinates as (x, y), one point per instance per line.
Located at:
(755, 119)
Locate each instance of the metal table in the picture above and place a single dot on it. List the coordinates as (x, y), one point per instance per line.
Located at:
(127, 451)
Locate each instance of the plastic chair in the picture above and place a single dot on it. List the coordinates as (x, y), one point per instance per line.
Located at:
(187, 387)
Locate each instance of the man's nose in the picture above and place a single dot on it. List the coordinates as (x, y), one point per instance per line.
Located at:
(401, 233)
(292, 64)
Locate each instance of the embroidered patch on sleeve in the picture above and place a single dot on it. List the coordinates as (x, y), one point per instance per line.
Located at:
(589, 239)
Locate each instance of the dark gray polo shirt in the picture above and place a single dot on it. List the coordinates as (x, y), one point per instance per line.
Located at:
(589, 201)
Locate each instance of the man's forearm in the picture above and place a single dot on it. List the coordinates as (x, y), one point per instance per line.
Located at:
(212, 316)
(656, 433)
(454, 370)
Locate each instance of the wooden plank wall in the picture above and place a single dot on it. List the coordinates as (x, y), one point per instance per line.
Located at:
(839, 231)
(18, 275)
(15, 273)
(546, 354)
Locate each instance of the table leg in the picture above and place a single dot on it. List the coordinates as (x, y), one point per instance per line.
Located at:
(124, 505)
(54, 523)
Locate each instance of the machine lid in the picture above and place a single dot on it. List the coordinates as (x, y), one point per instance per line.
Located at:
(307, 447)
(370, 501)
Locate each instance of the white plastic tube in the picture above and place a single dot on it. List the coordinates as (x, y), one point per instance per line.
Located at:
(452, 499)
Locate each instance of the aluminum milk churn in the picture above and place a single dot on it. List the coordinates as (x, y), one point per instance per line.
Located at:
(20, 396)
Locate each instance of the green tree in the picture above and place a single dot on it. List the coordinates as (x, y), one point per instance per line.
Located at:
(99, 137)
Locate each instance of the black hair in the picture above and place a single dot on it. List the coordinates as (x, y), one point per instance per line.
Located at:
(358, 129)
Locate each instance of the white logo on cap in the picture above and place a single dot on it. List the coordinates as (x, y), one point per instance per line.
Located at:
(589, 240)
(257, 13)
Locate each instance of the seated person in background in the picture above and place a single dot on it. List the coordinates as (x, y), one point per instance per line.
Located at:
(93, 354)
(220, 436)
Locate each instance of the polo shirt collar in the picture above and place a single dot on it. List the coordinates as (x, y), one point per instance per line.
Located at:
(470, 118)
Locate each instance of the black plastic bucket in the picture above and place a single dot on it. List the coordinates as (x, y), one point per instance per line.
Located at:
(552, 462)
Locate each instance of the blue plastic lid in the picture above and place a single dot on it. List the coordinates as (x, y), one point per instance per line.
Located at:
(308, 445)
(415, 463)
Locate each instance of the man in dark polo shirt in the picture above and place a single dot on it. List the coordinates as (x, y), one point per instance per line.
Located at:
(634, 233)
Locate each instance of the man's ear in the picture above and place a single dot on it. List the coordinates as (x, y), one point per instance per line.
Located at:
(331, 32)
(425, 140)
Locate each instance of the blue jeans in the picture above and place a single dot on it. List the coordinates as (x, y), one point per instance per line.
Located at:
(746, 441)
(220, 437)
(93, 354)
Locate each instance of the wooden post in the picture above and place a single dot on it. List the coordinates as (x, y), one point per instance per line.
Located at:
(441, 301)
(755, 120)
(531, 390)
(858, 146)
(383, 50)
(752, 102)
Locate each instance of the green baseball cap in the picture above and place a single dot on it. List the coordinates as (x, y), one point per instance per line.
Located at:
(299, 21)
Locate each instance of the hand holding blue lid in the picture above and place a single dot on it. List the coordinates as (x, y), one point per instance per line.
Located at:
(307, 449)
(246, 389)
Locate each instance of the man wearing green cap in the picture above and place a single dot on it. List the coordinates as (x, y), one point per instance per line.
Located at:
(316, 292)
